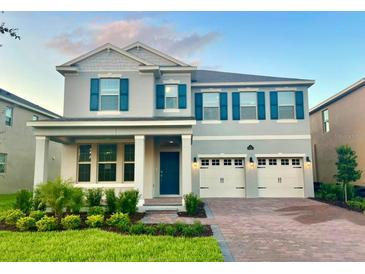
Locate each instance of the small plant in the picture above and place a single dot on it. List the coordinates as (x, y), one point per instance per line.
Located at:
(95, 221)
(26, 223)
(47, 224)
(150, 230)
(334, 192)
(120, 221)
(137, 229)
(93, 196)
(71, 222)
(193, 230)
(192, 203)
(37, 214)
(128, 201)
(76, 200)
(24, 200)
(96, 210)
(37, 201)
(12, 216)
(170, 230)
(111, 200)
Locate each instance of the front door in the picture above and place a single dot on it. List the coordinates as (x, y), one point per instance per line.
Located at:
(169, 173)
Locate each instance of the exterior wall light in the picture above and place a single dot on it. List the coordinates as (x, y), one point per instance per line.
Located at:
(195, 163)
(308, 162)
(252, 163)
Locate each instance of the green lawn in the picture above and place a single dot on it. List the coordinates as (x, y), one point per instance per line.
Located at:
(6, 201)
(95, 245)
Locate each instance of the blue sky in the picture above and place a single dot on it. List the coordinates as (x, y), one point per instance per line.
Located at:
(325, 46)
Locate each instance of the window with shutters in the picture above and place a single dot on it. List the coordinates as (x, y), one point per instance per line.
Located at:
(248, 105)
(171, 97)
(286, 105)
(325, 121)
(109, 94)
(211, 110)
(84, 163)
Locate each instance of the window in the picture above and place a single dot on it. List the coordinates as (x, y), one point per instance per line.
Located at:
(248, 105)
(286, 105)
(284, 162)
(9, 116)
(227, 162)
(238, 162)
(109, 94)
(215, 162)
(171, 97)
(211, 106)
(261, 162)
(107, 162)
(129, 162)
(295, 162)
(325, 121)
(84, 160)
(3, 158)
(35, 118)
(205, 162)
(272, 162)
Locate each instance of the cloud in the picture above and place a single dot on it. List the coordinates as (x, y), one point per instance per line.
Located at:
(120, 33)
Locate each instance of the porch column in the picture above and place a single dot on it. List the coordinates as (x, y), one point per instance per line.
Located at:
(139, 158)
(186, 164)
(41, 160)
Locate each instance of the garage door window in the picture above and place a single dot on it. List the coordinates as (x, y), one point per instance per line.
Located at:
(238, 162)
(284, 162)
(215, 162)
(272, 162)
(295, 162)
(261, 162)
(227, 162)
(205, 162)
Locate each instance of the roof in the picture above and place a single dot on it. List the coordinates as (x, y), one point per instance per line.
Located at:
(211, 76)
(355, 86)
(10, 97)
(86, 119)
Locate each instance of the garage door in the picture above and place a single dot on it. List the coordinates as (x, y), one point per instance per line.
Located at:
(280, 177)
(224, 177)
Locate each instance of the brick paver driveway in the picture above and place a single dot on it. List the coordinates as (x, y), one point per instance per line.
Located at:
(289, 230)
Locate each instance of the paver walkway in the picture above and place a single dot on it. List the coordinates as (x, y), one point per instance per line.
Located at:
(284, 229)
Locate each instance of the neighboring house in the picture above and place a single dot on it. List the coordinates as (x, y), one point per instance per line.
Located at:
(334, 122)
(138, 118)
(17, 143)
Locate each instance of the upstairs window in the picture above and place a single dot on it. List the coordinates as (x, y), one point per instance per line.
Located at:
(171, 97)
(286, 105)
(325, 121)
(9, 116)
(211, 106)
(109, 94)
(248, 105)
(3, 162)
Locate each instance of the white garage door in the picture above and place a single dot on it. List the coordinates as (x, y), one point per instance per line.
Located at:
(280, 177)
(224, 177)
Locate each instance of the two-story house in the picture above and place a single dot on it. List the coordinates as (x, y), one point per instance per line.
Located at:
(17, 143)
(138, 118)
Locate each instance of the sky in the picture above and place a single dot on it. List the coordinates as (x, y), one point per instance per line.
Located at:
(327, 47)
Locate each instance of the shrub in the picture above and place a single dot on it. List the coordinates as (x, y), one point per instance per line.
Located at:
(94, 221)
(71, 222)
(120, 221)
(2, 216)
(37, 214)
(26, 223)
(170, 230)
(334, 192)
(47, 224)
(128, 201)
(96, 210)
(192, 203)
(111, 200)
(76, 200)
(137, 229)
(150, 230)
(37, 201)
(24, 200)
(93, 196)
(357, 204)
(12, 216)
(193, 230)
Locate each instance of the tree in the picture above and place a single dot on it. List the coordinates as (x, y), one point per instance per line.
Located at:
(347, 171)
(11, 31)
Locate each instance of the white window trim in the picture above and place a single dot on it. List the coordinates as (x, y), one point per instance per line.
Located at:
(243, 105)
(286, 105)
(211, 122)
(108, 112)
(171, 110)
(100, 95)
(177, 97)
(217, 121)
(287, 121)
(86, 163)
(106, 162)
(248, 121)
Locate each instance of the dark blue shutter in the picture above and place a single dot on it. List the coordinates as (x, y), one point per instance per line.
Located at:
(160, 96)
(199, 106)
(261, 115)
(274, 105)
(299, 104)
(124, 94)
(223, 105)
(94, 95)
(182, 96)
(235, 105)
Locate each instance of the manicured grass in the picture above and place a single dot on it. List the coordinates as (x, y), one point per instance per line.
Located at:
(95, 245)
(6, 201)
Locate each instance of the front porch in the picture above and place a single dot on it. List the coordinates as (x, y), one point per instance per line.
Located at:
(154, 158)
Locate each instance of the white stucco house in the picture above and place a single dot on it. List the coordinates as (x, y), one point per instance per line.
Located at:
(135, 117)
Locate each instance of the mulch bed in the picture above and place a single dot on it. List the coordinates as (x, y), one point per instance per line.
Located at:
(337, 203)
(200, 214)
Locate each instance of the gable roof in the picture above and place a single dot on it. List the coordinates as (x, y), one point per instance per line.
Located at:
(355, 86)
(157, 52)
(12, 98)
(211, 76)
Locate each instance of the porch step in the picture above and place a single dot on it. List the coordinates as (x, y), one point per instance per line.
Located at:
(163, 201)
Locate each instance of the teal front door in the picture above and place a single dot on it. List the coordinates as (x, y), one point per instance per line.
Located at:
(169, 173)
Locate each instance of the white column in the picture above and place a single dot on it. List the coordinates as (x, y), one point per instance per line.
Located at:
(139, 159)
(41, 160)
(186, 164)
